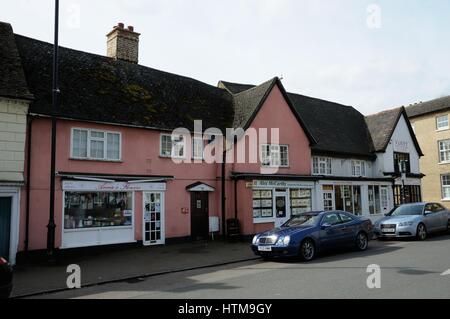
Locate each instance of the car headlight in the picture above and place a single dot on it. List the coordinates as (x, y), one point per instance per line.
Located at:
(284, 241)
(405, 224)
(255, 240)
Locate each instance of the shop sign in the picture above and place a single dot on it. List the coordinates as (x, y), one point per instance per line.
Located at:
(401, 146)
(280, 184)
(112, 187)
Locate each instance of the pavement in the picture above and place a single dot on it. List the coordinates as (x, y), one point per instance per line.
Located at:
(127, 264)
(409, 269)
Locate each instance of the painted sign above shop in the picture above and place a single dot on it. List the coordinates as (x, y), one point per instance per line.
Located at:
(400, 146)
(281, 184)
(112, 187)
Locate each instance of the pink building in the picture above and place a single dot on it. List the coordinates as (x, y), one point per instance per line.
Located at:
(117, 177)
(126, 175)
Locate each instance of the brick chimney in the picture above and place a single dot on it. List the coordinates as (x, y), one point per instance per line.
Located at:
(123, 43)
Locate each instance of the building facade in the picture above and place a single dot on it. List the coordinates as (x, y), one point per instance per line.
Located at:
(431, 124)
(133, 167)
(14, 102)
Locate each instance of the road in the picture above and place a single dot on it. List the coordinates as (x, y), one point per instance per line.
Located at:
(409, 269)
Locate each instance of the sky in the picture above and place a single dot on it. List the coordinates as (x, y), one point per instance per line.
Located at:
(372, 55)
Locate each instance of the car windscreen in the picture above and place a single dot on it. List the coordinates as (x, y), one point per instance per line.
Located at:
(408, 210)
(302, 220)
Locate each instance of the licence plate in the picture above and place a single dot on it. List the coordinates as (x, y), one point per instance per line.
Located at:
(264, 248)
(388, 230)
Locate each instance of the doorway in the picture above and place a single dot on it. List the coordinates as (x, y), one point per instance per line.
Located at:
(153, 224)
(282, 209)
(5, 226)
(199, 215)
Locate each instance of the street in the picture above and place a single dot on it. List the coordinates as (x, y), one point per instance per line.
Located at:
(409, 269)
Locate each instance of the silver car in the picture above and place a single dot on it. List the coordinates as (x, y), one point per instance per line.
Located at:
(413, 220)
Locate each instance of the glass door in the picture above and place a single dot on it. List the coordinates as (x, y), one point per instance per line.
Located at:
(328, 200)
(282, 209)
(153, 224)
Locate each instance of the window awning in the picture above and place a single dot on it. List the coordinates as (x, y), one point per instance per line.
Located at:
(132, 179)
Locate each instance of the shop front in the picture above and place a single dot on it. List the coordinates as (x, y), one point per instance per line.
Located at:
(104, 213)
(275, 202)
(362, 198)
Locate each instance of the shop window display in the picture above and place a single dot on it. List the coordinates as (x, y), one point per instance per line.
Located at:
(96, 209)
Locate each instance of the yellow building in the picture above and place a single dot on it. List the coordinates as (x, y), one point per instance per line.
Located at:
(431, 124)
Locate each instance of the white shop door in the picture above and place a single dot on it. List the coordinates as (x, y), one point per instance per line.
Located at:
(153, 223)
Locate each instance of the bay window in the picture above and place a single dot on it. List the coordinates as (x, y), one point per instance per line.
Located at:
(96, 145)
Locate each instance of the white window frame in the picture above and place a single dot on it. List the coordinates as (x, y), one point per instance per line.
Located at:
(443, 128)
(88, 146)
(194, 148)
(172, 155)
(274, 149)
(362, 168)
(441, 151)
(326, 161)
(443, 187)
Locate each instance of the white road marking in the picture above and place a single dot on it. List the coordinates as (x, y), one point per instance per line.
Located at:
(446, 273)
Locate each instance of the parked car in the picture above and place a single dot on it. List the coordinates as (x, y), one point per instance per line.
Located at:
(307, 234)
(413, 220)
(6, 276)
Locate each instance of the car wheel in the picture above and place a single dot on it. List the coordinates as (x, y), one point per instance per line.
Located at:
(362, 241)
(307, 250)
(448, 226)
(421, 232)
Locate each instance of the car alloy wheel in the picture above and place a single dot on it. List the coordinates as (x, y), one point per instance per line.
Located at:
(307, 250)
(421, 232)
(362, 242)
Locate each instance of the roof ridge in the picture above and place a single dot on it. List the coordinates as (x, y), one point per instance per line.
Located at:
(114, 60)
(385, 111)
(257, 86)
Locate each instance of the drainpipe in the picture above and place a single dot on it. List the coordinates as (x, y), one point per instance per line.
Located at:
(235, 200)
(224, 226)
(28, 187)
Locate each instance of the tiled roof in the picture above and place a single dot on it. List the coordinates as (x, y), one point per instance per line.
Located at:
(98, 88)
(422, 108)
(382, 125)
(12, 78)
(336, 128)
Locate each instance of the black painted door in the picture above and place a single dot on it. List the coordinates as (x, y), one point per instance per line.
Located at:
(5, 225)
(199, 215)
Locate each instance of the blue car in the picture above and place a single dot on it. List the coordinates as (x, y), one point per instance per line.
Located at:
(307, 234)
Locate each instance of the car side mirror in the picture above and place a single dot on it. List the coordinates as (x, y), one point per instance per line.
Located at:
(428, 212)
(325, 226)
